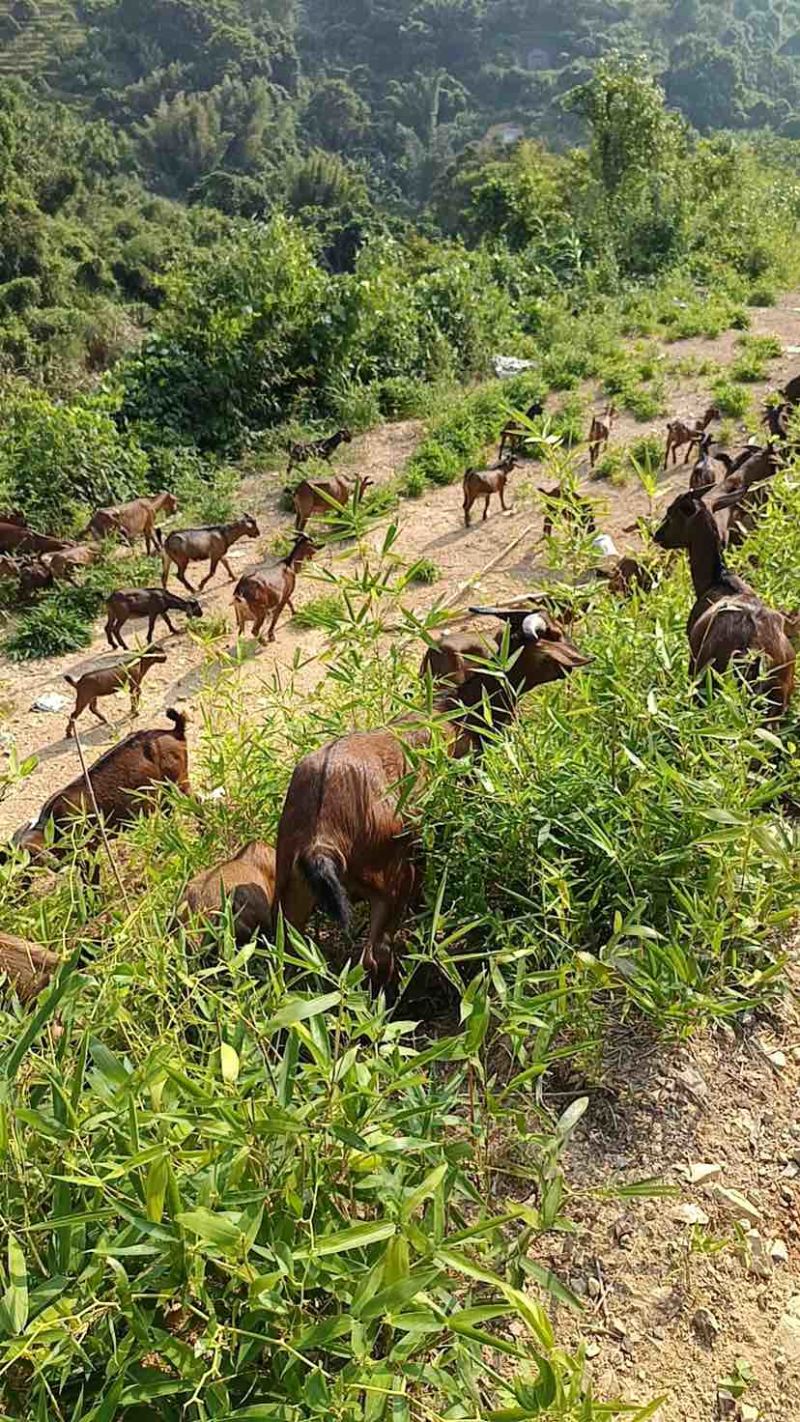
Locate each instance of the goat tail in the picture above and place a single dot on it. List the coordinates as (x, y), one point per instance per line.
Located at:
(178, 719)
(70, 679)
(321, 873)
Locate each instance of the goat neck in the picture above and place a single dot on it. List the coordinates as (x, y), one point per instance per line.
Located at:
(706, 562)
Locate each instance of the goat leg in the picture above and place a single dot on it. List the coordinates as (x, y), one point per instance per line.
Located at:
(172, 629)
(209, 575)
(486, 508)
(228, 569)
(93, 707)
(182, 578)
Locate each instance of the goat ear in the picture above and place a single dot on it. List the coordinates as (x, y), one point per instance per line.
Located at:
(565, 653)
(729, 500)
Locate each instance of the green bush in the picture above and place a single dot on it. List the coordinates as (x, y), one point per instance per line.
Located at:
(730, 400)
(58, 460)
(424, 571)
(762, 294)
(48, 630)
(323, 611)
(402, 397)
(413, 483)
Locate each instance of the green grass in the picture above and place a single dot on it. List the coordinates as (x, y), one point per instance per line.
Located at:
(319, 611)
(216, 1152)
(730, 399)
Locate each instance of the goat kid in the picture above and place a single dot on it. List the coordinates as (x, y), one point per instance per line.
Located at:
(482, 483)
(247, 882)
(514, 434)
(572, 508)
(151, 603)
(687, 432)
(303, 450)
(600, 433)
(343, 833)
(257, 594)
(104, 681)
(200, 545)
(728, 623)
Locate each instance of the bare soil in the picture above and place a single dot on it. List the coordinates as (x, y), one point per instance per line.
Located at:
(670, 1307)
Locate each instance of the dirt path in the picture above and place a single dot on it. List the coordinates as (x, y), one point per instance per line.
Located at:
(430, 527)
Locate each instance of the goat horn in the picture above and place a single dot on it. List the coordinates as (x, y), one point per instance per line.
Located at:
(533, 626)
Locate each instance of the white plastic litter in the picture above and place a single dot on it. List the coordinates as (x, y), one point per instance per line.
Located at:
(218, 793)
(50, 701)
(605, 544)
(506, 366)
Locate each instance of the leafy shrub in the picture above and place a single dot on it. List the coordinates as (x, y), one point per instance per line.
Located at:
(569, 421)
(355, 405)
(611, 466)
(402, 397)
(48, 630)
(648, 452)
(56, 458)
(413, 483)
(762, 294)
(730, 400)
(323, 611)
(423, 571)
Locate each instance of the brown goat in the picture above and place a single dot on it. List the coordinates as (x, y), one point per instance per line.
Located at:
(200, 545)
(514, 434)
(743, 493)
(729, 622)
(247, 881)
(125, 780)
(301, 451)
(325, 496)
(688, 433)
(27, 966)
(574, 509)
(629, 574)
(482, 483)
(257, 594)
(135, 519)
(34, 576)
(456, 655)
(151, 603)
(343, 832)
(600, 433)
(104, 681)
(18, 538)
(63, 565)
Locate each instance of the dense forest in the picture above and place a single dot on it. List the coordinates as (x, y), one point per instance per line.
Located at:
(209, 207)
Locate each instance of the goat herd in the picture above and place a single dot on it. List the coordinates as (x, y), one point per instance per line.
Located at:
(343, 834)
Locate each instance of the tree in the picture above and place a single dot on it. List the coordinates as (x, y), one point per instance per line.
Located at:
(335, 117)
(705, 81)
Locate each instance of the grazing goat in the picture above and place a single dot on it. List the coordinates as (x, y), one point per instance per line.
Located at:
(482, 483)
(198, 545)
(302, 451)
(323, 496)
(104, 681)
(256, 594)
(600, 433)
(247, 882)
(570, 507)
(687, 432)
(343, 832)
(151, 603)
(629, 574)
(514, 434)
(729, 622)
(34, 576)
(63, 565)
(126, 781)
(455, 656)
(135, 519)
(27, 966)
(18, 538)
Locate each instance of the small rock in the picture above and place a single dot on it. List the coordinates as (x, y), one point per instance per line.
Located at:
(726, 1403)
(705, 1325)
(618, 1328)
(756, 1255)
(778, 1251)
(50, 701)
(778, 1060)
(592, 1350)
(578, 1285)
(787, 1337)
(701, 1171)
(693, 1082)
(736, 1203)
(593, 1287)
(688, 1214)
(747, 1412)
